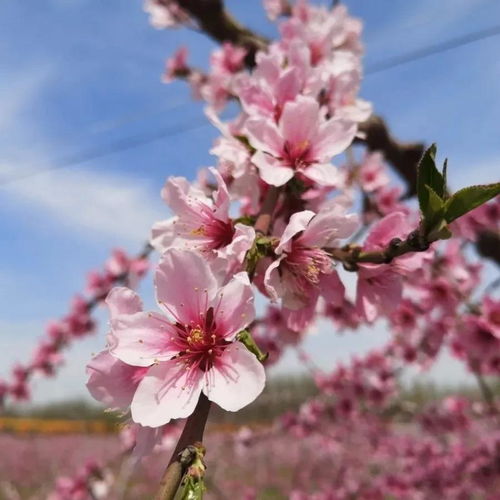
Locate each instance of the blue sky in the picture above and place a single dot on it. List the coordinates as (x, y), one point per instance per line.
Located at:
(78, 76)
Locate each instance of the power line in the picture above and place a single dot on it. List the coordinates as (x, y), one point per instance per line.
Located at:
(127, 118)
(111, 148)
(454, 43)
(139, 140)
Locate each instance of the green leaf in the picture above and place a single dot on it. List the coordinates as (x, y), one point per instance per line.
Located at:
(248, 220)
(445, 179)
(244, 140)
(434, 213)
(245, 337)
(443, 233)
(193, 489)
(467, 199)
(429, 175)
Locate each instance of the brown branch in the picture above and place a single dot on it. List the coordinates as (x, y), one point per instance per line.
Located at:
(217, 23)
(403, 156)
(351, 255)
(488, 245)
(263, 222)
(192, 433)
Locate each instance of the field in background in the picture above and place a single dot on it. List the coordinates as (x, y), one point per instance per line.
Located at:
(281, 395)
(55, 440)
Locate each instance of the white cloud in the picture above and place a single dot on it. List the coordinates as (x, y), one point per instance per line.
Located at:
(91, 202)
(18, 91)
(87, 201)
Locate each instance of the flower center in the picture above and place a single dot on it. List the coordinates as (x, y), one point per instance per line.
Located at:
(196, 336)
(217, 233)
(297, 155)
(308, 263)
(199, 344)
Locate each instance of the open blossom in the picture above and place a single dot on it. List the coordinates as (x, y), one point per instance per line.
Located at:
(343, 74)
(484, 217)
(92, 481)
(302, 143)
(228, 59)
(388, 200)
(372, 174)
(476, 341)
(303, 270)
(98, 284)
(201, 223)
(195, 351)
(439, 292)
(273, 83)
(113, 382)
(46, 358)
(321, 30)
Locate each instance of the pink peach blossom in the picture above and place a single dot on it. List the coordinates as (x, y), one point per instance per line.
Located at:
(372, 174)
(491, 312)
(195, 351)
(201, 223)
(165, 13)
(228, 59)
(303, 270)
(302, 143)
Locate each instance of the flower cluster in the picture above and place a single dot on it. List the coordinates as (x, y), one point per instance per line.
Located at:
(281, 214)
(299, 110)
(76, 324)
(91, 481)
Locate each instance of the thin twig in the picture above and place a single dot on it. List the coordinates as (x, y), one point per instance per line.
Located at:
(195, 424)
(351, 256)
(192, 433)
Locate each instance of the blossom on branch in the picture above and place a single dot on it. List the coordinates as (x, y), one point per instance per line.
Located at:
(201, 223)
(196, 349)
(303, 270)
(380, 286)
(302, 144)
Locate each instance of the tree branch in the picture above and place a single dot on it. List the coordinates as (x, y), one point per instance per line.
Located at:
(403, 156)
(488, 245)
(351, 255)
(217, 23)
(195, 424)
(192, 433)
